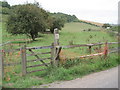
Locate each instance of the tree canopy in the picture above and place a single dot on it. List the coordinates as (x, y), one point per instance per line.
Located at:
(27, 19)
(30, 19)
(106, 25)
(4, 4)
(4, 7)
(67, 18)
(55, 23)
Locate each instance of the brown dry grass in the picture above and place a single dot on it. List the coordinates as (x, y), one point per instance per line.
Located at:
(65, 55)
(96, 23)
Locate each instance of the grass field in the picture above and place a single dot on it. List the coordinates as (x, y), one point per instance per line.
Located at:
(72, 33)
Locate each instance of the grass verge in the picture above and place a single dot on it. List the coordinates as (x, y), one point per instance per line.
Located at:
(71, 70)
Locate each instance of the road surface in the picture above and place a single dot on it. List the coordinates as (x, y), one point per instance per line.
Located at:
(103, 79)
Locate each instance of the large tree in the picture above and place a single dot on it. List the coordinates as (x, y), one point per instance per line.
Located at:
(55, 23)
(27, 19)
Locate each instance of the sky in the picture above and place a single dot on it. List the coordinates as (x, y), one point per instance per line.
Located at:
(103, 11)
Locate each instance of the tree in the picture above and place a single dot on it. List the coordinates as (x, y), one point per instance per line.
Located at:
(4, 10)
(106, 25)
(4, 4)
(27, 19)
(4, 7)
(56, 23)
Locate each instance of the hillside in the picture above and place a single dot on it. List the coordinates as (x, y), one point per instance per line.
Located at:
(78, 27)
(66, 17)
(96, 23)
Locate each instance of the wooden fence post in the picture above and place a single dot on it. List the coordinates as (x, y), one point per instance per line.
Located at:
(90, 49)
(56, 43)
(99, 47)
(52, 54)
(106, 49)
(23, 56)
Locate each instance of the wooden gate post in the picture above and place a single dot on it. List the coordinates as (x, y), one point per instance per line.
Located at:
(106, 49)
(56, 43)
(23, 56)
(52, 54)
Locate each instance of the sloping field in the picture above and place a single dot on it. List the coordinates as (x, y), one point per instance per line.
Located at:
(77, 27)
(96, 23)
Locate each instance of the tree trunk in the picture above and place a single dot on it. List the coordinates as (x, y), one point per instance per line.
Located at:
(32, 36)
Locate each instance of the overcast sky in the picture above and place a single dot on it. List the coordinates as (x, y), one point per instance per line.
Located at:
(104, 11)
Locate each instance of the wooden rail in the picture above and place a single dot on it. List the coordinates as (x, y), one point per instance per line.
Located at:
(38, 53)
(36, 70)
(41, 47)
(36, 65)
(5, 43)
(18, 63)
(7, 51)
(68, 46)
(12, 64)
(38, 59)
(83, 45)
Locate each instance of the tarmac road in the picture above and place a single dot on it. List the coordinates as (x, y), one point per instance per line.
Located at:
(103, 79)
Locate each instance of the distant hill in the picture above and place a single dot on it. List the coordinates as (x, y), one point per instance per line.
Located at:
(66, 17)
(91, 22)
(72, 18)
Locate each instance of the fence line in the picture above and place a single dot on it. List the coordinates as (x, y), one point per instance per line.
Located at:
(67, 46)
(44, 47)
(5, 43)
(41, 47)
(18, 63)
(83, 45)
(55, 53)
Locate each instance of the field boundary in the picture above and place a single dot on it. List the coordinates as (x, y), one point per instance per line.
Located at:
(55, 53)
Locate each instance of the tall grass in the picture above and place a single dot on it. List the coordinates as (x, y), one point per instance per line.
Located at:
(80, 68)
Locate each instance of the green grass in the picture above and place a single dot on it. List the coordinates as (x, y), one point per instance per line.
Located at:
(72, 32)
(78, 69)
(78, 27)
(82, 68)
